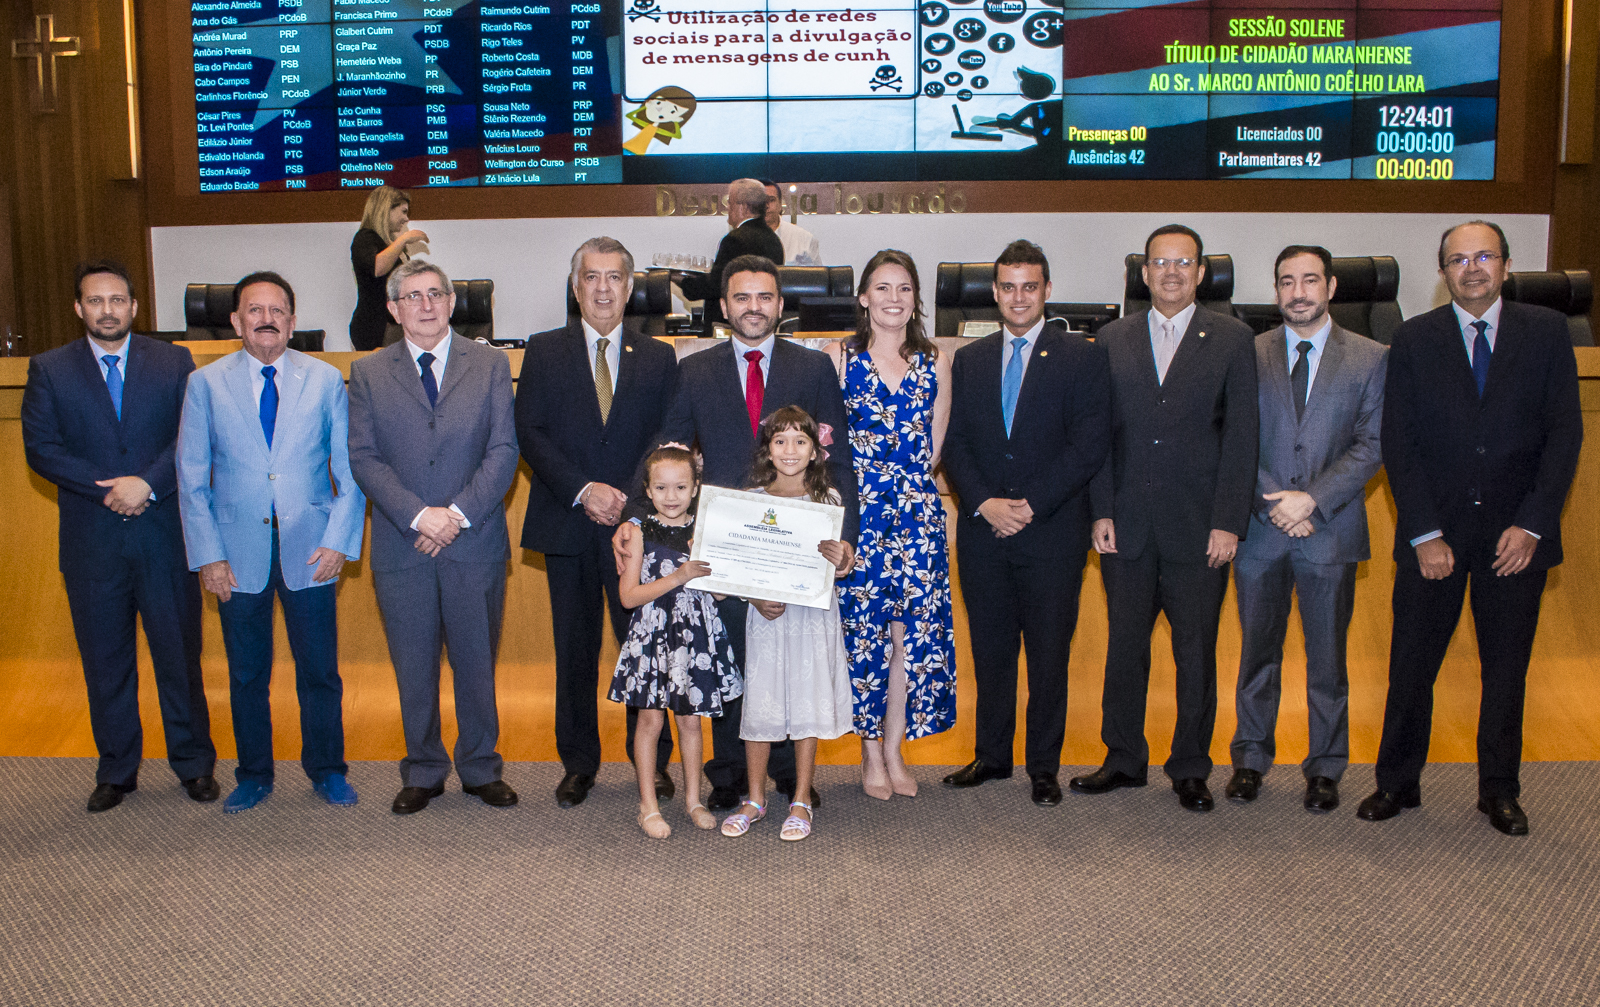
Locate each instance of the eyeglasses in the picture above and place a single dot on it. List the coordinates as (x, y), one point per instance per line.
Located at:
(416, 297)
(1164, 263)
(1460, 261)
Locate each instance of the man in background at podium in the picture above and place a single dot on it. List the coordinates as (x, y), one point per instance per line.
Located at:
(589, 403)
(100, 420)
(748, 235)
(1481, 431)
(800, 246)
(263, 448)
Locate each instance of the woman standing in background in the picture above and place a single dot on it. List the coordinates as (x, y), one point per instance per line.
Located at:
(378, 247)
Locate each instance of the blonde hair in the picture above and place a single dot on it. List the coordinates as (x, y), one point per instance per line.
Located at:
(379, 202)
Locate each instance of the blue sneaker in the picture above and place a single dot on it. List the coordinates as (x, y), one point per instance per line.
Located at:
(245, 796)
(336, 790)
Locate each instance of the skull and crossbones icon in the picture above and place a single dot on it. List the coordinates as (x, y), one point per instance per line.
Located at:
(885, 77)
(645, 8)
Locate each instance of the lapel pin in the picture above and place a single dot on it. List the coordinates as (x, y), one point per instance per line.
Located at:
(1044, 353)
(627, 349)
(1202, 335)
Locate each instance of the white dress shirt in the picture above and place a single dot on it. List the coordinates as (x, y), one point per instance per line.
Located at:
(613, 349)
(800, 247)
(1180, 325)
(441, 354)
(743, 366)
(1469, 334)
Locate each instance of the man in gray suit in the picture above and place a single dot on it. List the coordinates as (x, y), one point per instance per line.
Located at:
(433, 445)
(1321, 399)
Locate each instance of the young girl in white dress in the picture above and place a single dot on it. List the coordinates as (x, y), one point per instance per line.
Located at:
(676, 656)
(797, 675)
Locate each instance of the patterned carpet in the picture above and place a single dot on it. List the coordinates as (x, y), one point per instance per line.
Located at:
(954, 898)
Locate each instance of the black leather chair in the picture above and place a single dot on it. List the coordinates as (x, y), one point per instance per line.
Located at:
(1366, 300)
(1215, 292)
(1569, 291)
(797, 283)
(473, 316)
(206, 307)
(1260, 317)
(963, 292)
(650, 304)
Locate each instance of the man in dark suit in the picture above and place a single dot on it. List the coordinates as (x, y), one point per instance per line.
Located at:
(1321, 404)
(433, 445)
(1481, 431)
(100, 420)
(748, 235)
(722, 395)
(1030, 424)
(589, 403)
(1170, 506)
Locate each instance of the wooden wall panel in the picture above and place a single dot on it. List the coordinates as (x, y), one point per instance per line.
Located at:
(65, 172)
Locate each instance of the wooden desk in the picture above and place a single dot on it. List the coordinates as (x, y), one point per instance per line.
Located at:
(43, 710)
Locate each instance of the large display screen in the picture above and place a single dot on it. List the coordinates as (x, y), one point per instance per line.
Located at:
(330, 94)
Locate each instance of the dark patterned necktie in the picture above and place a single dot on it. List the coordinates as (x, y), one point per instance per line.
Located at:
(1300, 377)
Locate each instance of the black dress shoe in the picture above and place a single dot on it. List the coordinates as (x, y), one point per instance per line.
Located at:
(1385, 804)
(1046, 791)
(1322, 794)
(1505, 814)
(108, 795)
(665, 788)
(1193, 794)
(1103, 781)
(787, 787)
(1243, 786)
(723, 799)
(574, 787)
(203, 789)
(975, 772)
(411, 800)
(495, 793)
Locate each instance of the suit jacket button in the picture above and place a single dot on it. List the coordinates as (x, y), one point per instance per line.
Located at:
(430, 424)
(1298, 448)
(124, 450)
(266, 520)
(1480, 449)
(272, 475)
(430, 463)
(1008, 457)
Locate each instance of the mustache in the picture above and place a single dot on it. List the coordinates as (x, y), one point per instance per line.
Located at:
(269, 327)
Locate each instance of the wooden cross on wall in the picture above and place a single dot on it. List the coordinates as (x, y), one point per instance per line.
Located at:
(43, 49)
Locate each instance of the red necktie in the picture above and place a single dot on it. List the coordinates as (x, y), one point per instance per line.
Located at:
(754, 392)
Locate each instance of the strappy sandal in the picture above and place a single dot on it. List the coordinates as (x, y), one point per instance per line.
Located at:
(702, 818)
(643, 818)
(796, 828)
(738, 824)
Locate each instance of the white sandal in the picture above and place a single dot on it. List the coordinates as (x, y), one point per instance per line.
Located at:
(796, 828)
(738, 824)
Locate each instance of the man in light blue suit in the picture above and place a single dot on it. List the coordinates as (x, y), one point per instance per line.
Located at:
(270, 507)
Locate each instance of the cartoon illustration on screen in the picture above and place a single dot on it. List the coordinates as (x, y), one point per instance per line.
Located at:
(661, 117)
(1040, 120)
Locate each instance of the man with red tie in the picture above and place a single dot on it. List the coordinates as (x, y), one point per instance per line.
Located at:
(722, 395)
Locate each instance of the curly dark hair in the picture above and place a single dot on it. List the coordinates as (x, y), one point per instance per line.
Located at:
(917, 340)
(763, 473)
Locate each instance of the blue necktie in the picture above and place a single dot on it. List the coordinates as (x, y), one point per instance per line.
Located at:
(1480, 354)
(269, 403)
(114, 381)
(1012, 385)
(429, 385)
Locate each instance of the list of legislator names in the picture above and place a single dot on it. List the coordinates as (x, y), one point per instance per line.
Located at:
(330, 94)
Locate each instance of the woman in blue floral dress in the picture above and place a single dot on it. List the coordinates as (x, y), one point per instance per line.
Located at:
(896, 603)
